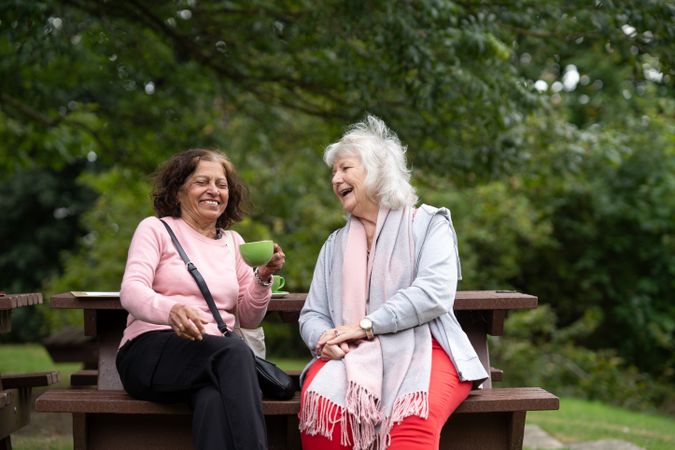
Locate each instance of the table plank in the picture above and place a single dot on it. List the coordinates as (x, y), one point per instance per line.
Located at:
(13, 301)
(9, 302)
(464, 300)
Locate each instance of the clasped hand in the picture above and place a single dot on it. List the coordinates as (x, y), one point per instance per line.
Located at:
(335, 343)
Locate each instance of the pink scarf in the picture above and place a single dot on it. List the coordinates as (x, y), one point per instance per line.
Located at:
(379, 382)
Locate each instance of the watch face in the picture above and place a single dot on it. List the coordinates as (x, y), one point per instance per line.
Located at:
(366, 324)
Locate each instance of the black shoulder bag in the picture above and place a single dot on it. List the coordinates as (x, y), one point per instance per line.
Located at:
(274, 382)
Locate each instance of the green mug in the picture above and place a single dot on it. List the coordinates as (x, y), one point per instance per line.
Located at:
(257, 253)
(277, 282)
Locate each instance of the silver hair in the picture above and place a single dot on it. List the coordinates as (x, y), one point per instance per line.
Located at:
(383, 156)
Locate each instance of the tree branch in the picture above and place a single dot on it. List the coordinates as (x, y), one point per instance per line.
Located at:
(50, 122)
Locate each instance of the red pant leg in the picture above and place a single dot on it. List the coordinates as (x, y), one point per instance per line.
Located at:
(446, 392)
(319, 442)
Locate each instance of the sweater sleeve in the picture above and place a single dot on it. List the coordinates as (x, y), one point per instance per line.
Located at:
(253, 298)
(433, 290)
(315, 317)
(137, 295)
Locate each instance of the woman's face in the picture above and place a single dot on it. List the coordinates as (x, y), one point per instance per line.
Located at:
(348, 180)
(203, 197)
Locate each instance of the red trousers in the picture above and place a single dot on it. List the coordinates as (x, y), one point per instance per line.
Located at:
(446, 392)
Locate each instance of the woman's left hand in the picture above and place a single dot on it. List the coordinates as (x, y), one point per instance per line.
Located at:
(334, 343)
(276, 263)
(344, 333)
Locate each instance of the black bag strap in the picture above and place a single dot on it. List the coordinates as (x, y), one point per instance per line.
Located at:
(200, 281)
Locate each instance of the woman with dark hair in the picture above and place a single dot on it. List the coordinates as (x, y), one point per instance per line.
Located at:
(171, 349)
(392, 362)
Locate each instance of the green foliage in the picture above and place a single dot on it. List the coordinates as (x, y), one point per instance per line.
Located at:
(535, 352)
(493, 224)
(98, 264)
(292, 198)
(611, 245)
(40, 212)
(283, 340)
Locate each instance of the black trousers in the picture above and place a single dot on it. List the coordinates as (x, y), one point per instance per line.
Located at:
(215, 376)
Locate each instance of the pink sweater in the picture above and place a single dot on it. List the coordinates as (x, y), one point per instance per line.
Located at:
(155, 279)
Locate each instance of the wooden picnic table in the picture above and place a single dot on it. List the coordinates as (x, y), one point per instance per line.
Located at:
(105, 416)
(481, 313)
(16, 389)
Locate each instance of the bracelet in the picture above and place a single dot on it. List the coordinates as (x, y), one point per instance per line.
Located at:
(260, 281)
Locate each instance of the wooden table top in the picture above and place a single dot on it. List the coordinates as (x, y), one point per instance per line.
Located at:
(464, 301)
(9, 302)
(13, 301)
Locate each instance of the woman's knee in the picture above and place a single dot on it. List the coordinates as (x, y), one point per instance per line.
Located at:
(232, 352)
(415, 433)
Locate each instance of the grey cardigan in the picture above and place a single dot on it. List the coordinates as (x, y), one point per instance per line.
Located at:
(429, 299)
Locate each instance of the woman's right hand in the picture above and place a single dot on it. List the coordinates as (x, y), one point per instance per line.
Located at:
(327, 351)
(187, 322)
(333, 351)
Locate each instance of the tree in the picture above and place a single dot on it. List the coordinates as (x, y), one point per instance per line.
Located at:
(529, 118)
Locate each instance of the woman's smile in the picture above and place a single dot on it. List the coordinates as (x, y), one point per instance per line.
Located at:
(204, 195)
(349, 176)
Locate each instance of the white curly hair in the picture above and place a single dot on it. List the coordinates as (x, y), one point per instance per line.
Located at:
(383, 156)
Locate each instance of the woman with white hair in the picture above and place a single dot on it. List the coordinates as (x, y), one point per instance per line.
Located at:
(392, 362)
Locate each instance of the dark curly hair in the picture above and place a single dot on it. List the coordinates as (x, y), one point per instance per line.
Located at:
(171, 176)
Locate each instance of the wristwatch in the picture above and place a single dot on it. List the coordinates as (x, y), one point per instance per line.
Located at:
(367, 325)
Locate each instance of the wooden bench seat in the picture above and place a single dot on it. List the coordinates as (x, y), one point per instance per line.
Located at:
(119, 402)
(29, 380)
(503, 408)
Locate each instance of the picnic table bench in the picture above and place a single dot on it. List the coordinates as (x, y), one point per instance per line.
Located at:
(69, 344)
(16, 389)
(104, 416)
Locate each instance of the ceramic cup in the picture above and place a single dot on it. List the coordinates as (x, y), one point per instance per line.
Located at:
(277, 282)
(257, 253)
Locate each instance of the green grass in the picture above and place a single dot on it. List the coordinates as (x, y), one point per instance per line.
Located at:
(16, 358)
(294, 364)
(54, 442)
(581, 420)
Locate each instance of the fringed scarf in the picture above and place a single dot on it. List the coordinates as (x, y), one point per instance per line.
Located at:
(381, 382)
